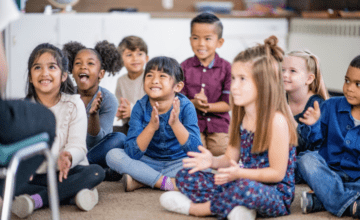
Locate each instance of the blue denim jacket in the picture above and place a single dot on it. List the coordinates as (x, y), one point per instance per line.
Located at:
(341, 145)
(164, 146)
(303, 145)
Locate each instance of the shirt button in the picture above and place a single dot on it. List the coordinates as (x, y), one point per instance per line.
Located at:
(208, 119)
(204, 70)
(203, 85)
(347, 142)
(203, 113)
(348, 127)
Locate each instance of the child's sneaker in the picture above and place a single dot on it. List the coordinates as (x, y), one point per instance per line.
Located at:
(242, 213)
(86, 199)
(310, 203)
(355, 209)
(175, 201)
(23, 206)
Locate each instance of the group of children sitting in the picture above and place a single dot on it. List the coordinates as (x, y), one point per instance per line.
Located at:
(178, 135)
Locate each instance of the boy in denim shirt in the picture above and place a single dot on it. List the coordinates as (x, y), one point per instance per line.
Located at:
(334, 172)
(207, 82)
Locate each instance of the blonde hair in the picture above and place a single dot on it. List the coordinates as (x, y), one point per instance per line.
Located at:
(267, 74)
(313, 66)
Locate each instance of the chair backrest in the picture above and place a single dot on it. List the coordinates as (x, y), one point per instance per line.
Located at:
(7, 151)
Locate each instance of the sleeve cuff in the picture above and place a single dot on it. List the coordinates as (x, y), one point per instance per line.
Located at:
(77, 156)
(191, 144)
(133, 151)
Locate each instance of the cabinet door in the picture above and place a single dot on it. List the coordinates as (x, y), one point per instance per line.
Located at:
(24, 35)
(116, 26)
(84, 28)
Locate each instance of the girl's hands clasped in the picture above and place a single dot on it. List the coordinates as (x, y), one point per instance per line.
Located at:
(154, 121)
(64, 164)
(198, 161)
(95, 105)
(174, 116)
(228, 174)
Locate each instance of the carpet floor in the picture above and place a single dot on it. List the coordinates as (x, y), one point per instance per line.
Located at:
(143, 204)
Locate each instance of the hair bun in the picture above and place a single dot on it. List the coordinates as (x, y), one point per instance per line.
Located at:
(271, 43)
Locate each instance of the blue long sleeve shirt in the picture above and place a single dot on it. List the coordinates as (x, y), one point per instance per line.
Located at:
(341, 143)
(164, 145)
(107, 114)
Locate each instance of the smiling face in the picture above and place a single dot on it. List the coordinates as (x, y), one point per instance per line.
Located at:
(46, 75)
(204, 41)
(243, 88)
(160, 86)
(134, 61)
(351, 86)
(295, 74)
(87, 71)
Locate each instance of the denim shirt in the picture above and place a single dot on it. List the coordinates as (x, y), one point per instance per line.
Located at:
(341, 145)
(164, 145)
(302, 144)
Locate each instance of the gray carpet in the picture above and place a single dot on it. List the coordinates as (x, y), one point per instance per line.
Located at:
(143, 204)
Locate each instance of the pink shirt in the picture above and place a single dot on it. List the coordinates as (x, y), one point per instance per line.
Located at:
(216, 82)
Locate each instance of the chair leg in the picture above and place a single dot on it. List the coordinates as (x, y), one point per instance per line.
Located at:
(40, 148)
(9, 188)
(52, 186)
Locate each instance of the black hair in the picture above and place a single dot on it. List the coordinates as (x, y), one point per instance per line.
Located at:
(62, 61)
(167, 65)
(209, 18)
(356, 62)
(106, 52)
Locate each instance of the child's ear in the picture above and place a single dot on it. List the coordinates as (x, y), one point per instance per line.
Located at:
(220, 42)
(310, 79)
(101, 74)
(64, 76)
(179, 86)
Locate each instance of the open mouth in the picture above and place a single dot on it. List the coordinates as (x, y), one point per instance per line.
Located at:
(83, 77)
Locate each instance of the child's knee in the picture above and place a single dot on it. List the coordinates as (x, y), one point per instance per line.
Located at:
(97, 174)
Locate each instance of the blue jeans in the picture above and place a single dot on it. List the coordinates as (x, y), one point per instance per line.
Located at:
(97, 154)
(298, 177)
(333, 188)
(146, 170)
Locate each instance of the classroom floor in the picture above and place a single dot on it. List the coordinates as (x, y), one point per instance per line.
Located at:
(143, 204)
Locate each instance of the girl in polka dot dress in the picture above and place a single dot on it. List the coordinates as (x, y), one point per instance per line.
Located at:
(256, 174)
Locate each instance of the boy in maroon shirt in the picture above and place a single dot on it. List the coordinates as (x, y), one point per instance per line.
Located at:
(207, 82)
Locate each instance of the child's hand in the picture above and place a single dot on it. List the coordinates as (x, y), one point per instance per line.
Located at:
(154, 121)
(64, 164)
(95, 105)
(311, 115)
(174, 115)
(198, 161)
(228, 174)
(201, 101)
(124, 110)
(201, 96)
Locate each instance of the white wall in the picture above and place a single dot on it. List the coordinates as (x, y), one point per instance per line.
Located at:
(164, 36)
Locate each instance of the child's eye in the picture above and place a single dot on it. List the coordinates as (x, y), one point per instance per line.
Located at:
(194, 38)
(140, 54)
(148, 75)
(357, 84)
(91, 63)
(293, 71)
(77, 63)
(347, 81)
(232, 77)
(52, 67)
(128, 55)
(283, 70)
(208, 38)
(36, 67)
(242, 78)
(163, 75)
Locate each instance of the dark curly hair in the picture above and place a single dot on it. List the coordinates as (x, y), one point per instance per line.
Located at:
(106, 52)
(61, 60)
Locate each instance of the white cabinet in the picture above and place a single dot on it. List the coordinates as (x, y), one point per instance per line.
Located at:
(164, 37)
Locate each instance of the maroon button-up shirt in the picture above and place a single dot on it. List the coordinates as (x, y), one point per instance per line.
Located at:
(216, 82)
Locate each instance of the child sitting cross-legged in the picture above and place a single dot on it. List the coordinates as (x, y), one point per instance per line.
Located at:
(334, 172)
(163, 128)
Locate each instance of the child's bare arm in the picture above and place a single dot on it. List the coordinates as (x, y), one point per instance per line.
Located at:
(94, 119)
(278, 158)
(145, 137)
